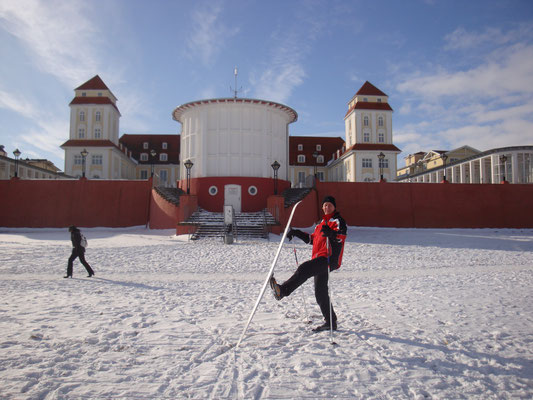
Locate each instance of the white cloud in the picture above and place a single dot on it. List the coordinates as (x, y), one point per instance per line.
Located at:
(17, 104)
(208, 33)
(58, 34)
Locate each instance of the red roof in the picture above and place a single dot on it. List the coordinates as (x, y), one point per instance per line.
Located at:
(374, 147)
(95, 83)
(135, 143)
(366, 105)
(369, 90)
(329, 145)
(93, 100)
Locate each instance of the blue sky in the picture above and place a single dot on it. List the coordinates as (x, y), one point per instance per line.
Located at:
(456, 72)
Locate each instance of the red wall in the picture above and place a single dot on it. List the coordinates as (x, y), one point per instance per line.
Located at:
(419, 205)
(265, 188)
(165, 215)
(86, 203)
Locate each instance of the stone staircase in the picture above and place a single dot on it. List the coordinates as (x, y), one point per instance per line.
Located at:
(294, 195)
(247, 224)
(172, 195)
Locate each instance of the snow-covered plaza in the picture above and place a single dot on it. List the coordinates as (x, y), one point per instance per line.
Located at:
(423, 314)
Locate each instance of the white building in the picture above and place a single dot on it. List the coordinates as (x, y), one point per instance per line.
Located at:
(368, 132)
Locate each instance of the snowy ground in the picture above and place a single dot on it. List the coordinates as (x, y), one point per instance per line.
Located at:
(423, 314)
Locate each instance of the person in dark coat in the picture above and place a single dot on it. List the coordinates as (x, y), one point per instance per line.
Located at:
(328, 244)
(77, 251)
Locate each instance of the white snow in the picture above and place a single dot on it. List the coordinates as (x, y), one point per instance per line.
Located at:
(423, 314)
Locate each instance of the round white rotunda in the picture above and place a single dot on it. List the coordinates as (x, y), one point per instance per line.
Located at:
(234, 137)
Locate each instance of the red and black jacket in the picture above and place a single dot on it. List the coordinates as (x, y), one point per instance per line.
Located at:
(335, 234)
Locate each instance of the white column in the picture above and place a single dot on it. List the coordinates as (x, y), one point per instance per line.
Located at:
(494, 159)
(514, 165)
(462, 168)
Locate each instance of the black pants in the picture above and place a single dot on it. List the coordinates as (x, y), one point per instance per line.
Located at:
(81, 254)
(318, 268)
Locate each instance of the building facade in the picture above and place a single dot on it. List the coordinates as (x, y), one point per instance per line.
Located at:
(369, 154)
(505, 164)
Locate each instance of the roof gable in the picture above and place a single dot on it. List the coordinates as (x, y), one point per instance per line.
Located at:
(370, 90)
(95, 83)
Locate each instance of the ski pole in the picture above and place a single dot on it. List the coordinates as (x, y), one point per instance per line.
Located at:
(329, 295)
(303, 294)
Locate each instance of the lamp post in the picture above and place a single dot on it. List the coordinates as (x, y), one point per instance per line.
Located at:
(188, 164)
(381, 157)
(152, 154)
(84, 153)
(275, 166)
(444, 158)
(315, 156)
(503, 159)
(16, 153)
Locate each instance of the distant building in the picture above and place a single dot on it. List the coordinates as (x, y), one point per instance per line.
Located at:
(28, 169)
(468, 165)
(368, 132)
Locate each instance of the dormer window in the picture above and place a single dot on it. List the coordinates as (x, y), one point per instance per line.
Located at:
(318, 147)
(164, 146)
(320, 159)
(163, 157)
(300, 147)
(301, 158)
(144, 157)
(145, 145)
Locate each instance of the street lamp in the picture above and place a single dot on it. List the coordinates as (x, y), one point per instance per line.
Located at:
(315, 156)
(153, 154)
(16, 153)
(188, 164)
(275, 166)
(444, 158)
(381, 157)
(503, 159)
(84, 153)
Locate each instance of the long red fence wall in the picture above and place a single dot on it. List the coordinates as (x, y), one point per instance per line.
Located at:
(419, 205)
(87, 203)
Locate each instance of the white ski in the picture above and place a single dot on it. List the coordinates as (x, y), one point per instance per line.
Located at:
(270, 273)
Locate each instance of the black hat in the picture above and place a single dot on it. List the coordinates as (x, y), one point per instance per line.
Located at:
(71, 228)
(330, 199)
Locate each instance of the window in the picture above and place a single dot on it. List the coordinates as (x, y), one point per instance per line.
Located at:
(320, 176)
(99, 94)
(144, 174)
(301, 158)
(384, 163)
(367, 163)
(98, 116)
(144, 157)
(252, 190)
(366, 121)
(301, 177)
(300, 147)
(97, 133)
(318, 147)
(145, 145)
(83, 94)
(163, 157)
(379, 100)
(381, 137)
(320, 159)
(163, 175)
(82, 116)
(97, 160)
(81, 133)
(380, 121)
(213, 190)
(164, 145)
(365, 98)
(366, 137)
(78, 159)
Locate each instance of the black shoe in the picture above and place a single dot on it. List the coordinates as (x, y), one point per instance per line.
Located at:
(276, 289)
(67, 276)
(325, 327)
(91, 274)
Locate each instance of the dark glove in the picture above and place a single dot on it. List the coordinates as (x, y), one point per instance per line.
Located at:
(328, 232)
(299, 234)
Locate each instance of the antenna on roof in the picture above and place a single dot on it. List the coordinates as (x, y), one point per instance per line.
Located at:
(235, 72)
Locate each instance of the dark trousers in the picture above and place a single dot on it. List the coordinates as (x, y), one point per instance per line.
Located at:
(81, 254)
(318, 268)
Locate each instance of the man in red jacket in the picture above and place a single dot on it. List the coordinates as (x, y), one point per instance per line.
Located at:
(328, 245)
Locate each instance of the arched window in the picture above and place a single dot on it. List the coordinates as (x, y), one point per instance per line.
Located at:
(82, 116)
(301, 158)
(366, 121)
(380, 121)
(98, 116)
